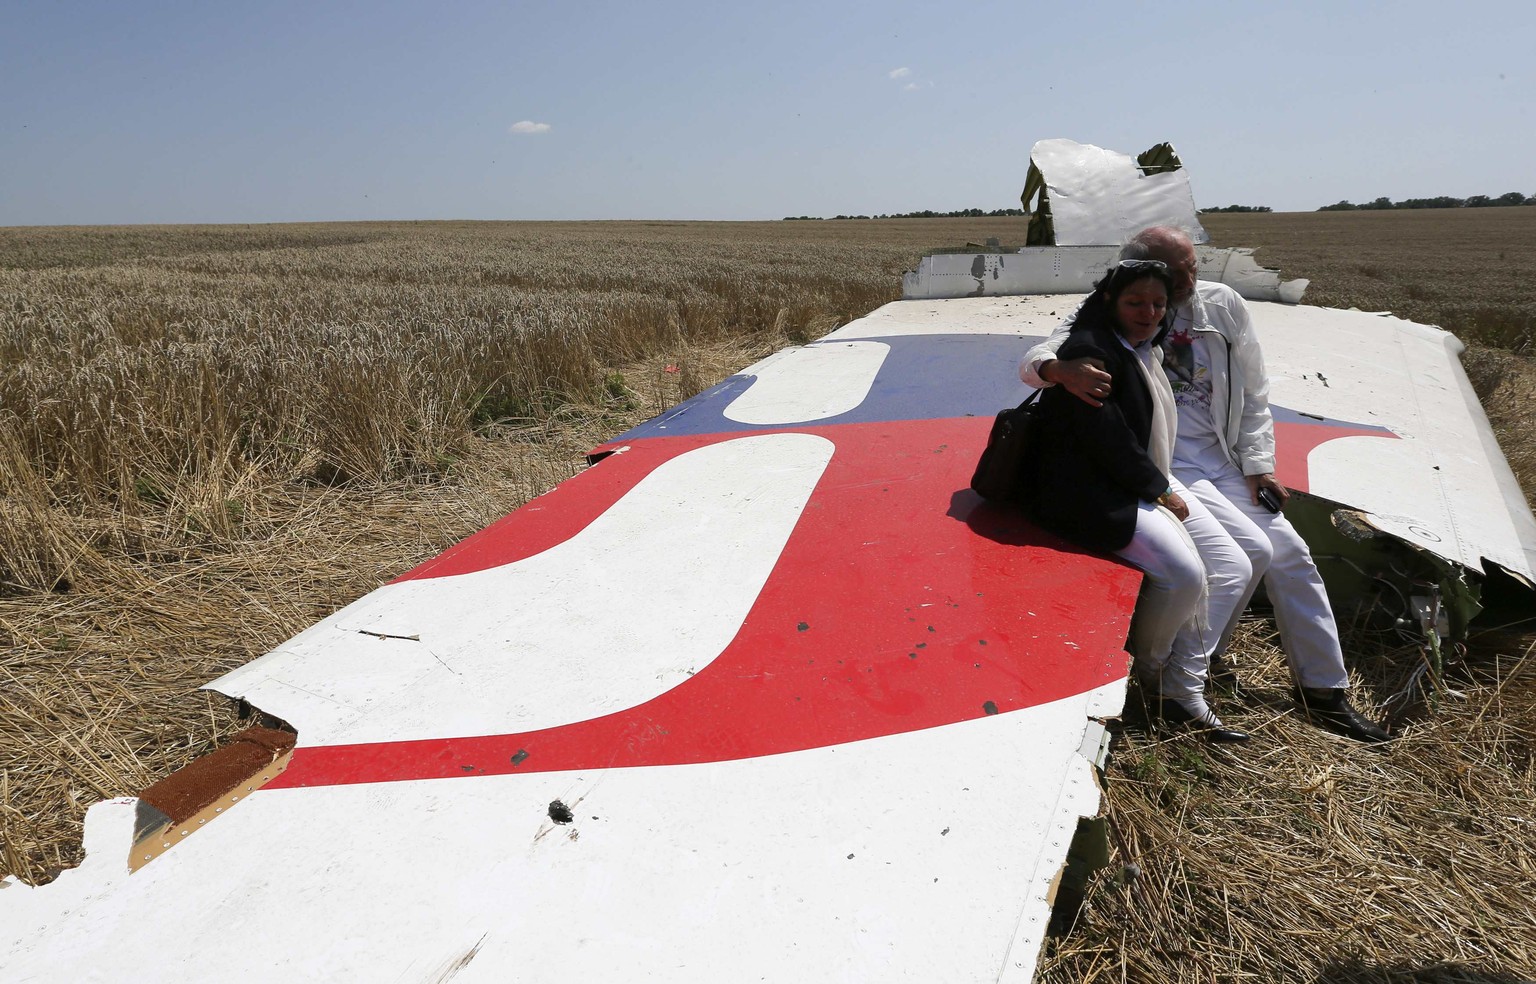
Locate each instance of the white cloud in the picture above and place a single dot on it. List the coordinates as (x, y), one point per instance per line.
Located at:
(899, 73)
(529, 126)
(911, 87)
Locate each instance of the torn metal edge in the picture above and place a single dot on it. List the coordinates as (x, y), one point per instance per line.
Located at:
(1077, 844)
(205, 788)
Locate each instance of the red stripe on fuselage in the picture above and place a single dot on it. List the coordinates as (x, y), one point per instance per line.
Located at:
(899, 603)
(1295, 442)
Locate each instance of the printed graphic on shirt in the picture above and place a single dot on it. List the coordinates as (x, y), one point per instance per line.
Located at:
(1189, 376)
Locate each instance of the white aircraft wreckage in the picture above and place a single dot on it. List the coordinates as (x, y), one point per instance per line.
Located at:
(767, 692)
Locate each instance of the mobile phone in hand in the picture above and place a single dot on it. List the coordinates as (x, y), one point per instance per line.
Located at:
(1268, 499)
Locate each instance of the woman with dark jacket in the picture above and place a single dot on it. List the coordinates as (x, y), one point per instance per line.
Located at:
(1103, 480)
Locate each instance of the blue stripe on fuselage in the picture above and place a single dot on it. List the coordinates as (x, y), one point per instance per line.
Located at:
(925, 377)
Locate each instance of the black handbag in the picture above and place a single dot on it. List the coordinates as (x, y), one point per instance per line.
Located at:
(1006, 469)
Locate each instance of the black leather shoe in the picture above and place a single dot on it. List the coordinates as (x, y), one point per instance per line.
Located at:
(1223, 676)
(1330, 708)
(1211, 729)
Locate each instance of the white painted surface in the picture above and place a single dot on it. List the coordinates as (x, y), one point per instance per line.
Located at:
(1101, 198)
(1239, 270)
(1075, 270)
(800, 385)
(1446, 477)
(1032, 270)
(1025, 315)
(1444, 486)
(663, 578)
(880, 860)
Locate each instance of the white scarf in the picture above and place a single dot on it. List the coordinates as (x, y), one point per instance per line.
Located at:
(1165, 422)
(1165, 414)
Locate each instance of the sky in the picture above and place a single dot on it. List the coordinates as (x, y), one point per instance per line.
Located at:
(173, 112)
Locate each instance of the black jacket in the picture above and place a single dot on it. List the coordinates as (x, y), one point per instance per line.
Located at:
(1092, 469)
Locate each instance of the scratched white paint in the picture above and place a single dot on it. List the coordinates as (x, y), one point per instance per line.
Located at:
(1028, 316)
(1075, 269)
(1445, 486)
(663, 578)
(814, 382)
(879, 860)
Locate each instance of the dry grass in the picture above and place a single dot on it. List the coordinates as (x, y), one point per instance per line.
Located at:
(1471, 271)
(1308, 857)
(371, 351)
(212, 437)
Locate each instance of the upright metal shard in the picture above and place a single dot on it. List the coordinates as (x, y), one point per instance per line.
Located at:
(1088, 196)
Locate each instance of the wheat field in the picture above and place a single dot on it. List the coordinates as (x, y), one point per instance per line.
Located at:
(211, 437)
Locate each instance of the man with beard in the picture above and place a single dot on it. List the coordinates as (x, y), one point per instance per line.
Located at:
(1224, 454)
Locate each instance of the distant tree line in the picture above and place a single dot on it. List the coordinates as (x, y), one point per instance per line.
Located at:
(964, 213)
(1443, 201)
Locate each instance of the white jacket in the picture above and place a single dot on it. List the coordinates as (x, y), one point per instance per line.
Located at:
(1239, 384)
